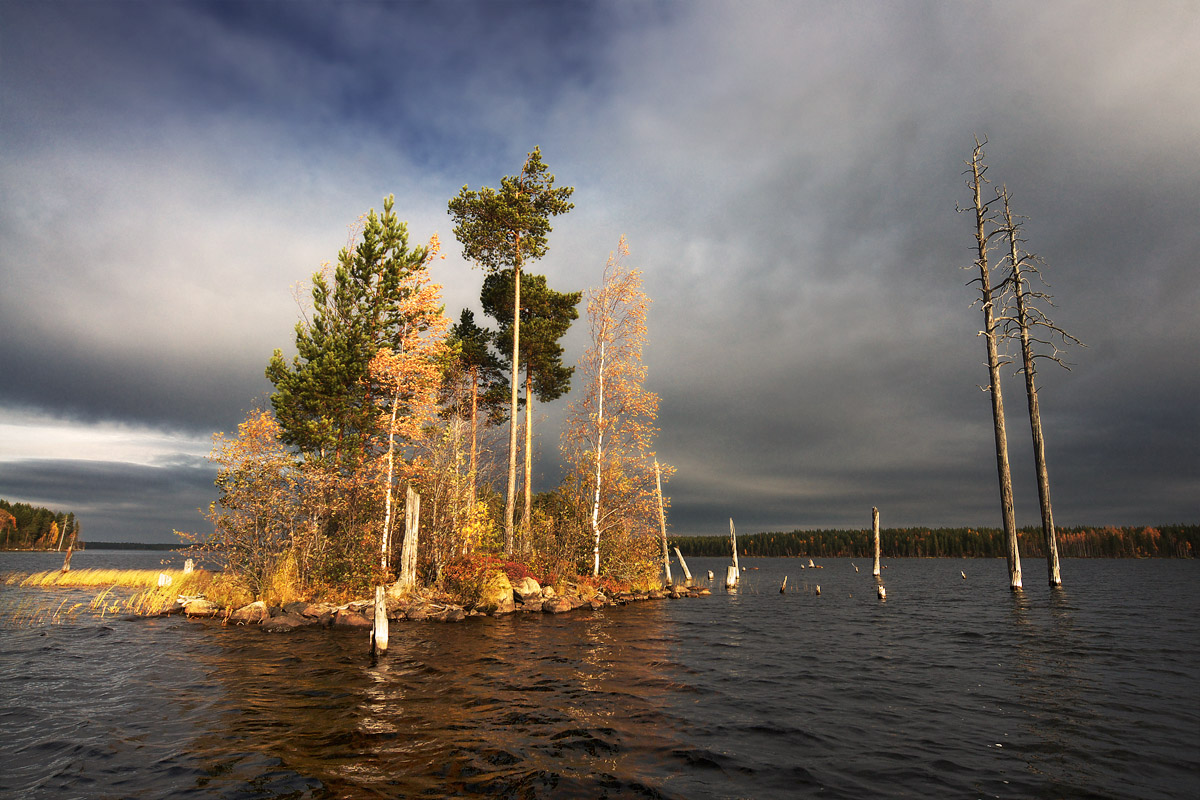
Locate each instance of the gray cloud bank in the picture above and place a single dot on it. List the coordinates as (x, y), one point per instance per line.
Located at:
(787, 174)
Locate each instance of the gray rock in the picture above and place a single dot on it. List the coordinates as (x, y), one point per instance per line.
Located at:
(347, 618)
(557, 605)
(251, 614)
(527, 590)
(449, 614)
(199, 607)
(285, 622)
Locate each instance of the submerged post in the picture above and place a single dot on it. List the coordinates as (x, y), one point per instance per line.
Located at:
(733, 572)
(875, 528)
(379, 630)
(687, 576)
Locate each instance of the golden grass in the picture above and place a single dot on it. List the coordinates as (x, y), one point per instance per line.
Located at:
(134, 578)
(116, 596)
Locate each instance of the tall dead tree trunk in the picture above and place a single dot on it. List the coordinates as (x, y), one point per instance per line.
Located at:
(977, 169)
(412, 531)
(662, 523)
(1027, 317)
(734, 573)
(875, 529)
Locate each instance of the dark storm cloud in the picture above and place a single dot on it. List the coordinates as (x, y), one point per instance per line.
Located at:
(787, 174)
(115, 501)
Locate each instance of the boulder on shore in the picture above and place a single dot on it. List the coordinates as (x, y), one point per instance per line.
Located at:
(496, 596)
(557, 605)
(199, 607)
(349, 618)
(527, 590)
(285, 622)
(448, 614)
(251, 614)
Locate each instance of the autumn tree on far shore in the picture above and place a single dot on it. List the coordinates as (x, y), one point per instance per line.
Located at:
(609, 439)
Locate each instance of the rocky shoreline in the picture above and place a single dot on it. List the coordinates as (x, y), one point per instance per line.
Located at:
(499, 597)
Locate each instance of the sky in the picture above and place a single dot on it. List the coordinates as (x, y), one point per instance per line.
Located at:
(787, 174)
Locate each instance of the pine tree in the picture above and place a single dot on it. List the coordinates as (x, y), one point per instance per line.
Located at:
(506, 229)
(546, 316)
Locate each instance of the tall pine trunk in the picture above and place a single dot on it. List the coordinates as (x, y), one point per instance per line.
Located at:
(526, 515)
(511, 501)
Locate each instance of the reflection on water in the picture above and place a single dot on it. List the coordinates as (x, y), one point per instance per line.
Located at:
(951, 687)
(518, 706)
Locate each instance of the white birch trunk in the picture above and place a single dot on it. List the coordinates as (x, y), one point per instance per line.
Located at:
(599, 457)
(379, 630)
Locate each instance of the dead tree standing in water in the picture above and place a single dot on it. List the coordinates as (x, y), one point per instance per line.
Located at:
(976, 169)
(1022, 321)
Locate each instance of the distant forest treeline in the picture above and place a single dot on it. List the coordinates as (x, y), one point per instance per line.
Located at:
(1167, 541)
(27, 527)
(135, 546)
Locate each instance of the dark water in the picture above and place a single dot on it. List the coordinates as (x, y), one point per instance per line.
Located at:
(950, 688)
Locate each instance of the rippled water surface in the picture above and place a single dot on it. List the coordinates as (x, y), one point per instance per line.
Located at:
(950, 688)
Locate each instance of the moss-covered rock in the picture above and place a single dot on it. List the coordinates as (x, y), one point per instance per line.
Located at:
(496, 594)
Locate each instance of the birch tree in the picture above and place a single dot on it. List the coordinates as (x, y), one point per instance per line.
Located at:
(610, 433)
(406, 380)
(324, 401)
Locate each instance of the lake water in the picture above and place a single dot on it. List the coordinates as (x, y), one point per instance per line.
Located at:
(950, 688)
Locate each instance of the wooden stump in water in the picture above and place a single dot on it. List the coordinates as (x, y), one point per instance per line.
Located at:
(66, 567)
(875, 528)
(687, 575)
(731, 577)
(379, 630)
(783, 586)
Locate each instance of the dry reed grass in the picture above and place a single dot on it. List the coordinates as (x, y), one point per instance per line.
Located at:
(116, 596)
(134, 578)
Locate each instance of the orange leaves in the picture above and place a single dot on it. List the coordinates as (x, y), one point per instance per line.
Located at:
(610, 434)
